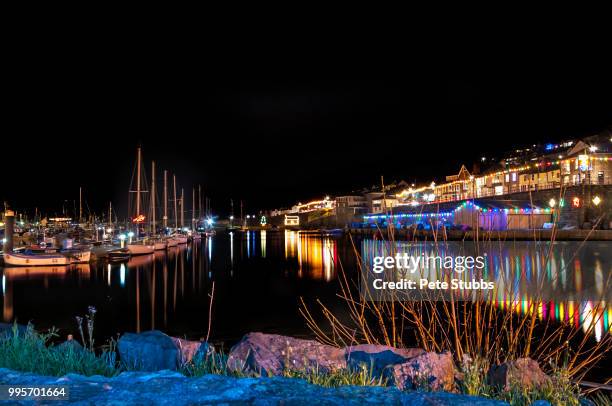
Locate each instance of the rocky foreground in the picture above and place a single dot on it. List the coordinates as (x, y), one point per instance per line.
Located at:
(172, 388)
(413, 375)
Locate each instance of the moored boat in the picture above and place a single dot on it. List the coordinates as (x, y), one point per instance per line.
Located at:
(141, 249)
(160, 245)
(62, 258)
(171, 242)
(181, 239)
(119, 255)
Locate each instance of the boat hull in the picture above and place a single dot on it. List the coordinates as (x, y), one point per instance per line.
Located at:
(141, 249)
(181, 240)
(46, 259)
(172, 242)
(162, 245)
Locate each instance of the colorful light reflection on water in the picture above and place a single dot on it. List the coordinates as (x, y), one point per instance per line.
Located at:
(568, 282)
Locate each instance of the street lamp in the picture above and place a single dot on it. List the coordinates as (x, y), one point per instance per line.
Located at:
(122, 239)
(552, 202)
(130, 235)
(596, 200)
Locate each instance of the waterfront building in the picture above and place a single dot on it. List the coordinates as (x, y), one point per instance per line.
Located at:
(585, 162)
(575, 176)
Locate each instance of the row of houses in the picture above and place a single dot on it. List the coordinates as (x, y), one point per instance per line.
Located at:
(585, 162)
(552, 166)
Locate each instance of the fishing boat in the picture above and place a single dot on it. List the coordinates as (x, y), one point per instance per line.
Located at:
(60, 258)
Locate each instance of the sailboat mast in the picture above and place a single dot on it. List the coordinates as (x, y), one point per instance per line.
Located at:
(110, 214)
(193, 209)
(153, 197)
(165, 199)
(80, 205)
(199, 201)
(138, 184)
(182, 207)
(175, 211)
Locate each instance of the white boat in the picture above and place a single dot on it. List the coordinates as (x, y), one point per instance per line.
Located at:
(141, 249)
(62, 258)
(160, 245)
(181, 239)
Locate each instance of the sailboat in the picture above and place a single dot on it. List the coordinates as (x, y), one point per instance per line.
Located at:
(142, 247)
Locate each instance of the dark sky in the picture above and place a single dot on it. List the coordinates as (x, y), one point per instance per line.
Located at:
(272, 142)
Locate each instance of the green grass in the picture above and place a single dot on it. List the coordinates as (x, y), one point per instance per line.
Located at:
(216, 363)
(560, 391)
(212, 363)
(30, 351)
(343, 377)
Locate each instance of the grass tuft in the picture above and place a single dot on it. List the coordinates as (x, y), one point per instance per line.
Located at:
(31, 351)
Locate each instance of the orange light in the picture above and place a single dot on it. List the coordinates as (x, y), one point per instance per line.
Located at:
(139, 219)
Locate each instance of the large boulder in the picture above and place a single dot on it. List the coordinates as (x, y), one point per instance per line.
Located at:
(523, 372)
(271, 354)
(148, 351)
(430, 371)
(379, 359)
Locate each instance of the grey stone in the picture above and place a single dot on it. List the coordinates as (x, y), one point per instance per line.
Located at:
(188, 349)
(172, 388)
(379, 358)
(271, 354)
(524, 372)
(148, 351)
(69, 345)
(429, 371)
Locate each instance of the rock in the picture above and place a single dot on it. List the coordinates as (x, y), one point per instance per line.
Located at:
(188, 349)
(148, 351)
(524, 372)
(430, 371)
(171, 388)
(271, 354)
(380, 358)
(70, 345)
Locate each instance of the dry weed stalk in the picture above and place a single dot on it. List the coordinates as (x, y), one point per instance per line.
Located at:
(479, 328)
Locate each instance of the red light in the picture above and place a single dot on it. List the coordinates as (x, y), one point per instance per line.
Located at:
(576, 202)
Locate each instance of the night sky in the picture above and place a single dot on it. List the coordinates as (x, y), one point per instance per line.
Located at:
(274, 142)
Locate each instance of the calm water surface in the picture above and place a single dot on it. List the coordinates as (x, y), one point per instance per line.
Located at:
(259, 277)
